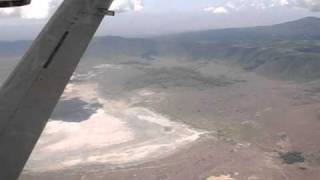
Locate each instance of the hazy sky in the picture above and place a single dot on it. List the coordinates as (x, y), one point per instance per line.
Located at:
(153, 17)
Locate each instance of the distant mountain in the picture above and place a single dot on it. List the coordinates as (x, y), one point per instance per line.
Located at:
(118, 46)
(288, 51)
(304, 29)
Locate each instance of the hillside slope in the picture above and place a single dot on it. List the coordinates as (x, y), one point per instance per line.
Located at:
(288, 51)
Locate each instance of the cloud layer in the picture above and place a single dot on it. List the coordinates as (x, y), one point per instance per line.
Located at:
(40, 9)
(127, 5)
(225, 6)
(217, 10)
(313, 5)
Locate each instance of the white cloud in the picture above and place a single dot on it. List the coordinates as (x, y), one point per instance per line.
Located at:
(313, 5)
(127, 5)
(39, 9)
(284, 2)
(237, 5)
(217, 10)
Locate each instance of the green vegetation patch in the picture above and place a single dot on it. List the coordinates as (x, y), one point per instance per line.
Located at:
(292, 157)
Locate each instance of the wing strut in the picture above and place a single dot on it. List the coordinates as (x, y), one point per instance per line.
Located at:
(31, 92)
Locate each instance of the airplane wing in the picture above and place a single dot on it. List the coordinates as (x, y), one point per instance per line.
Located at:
(31, 92)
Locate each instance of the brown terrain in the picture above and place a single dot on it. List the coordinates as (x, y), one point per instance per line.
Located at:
(255, 129)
